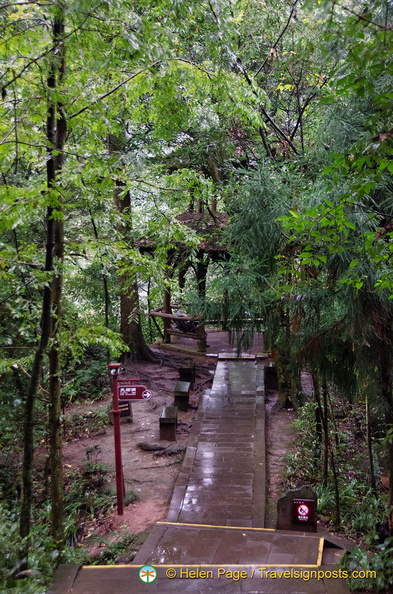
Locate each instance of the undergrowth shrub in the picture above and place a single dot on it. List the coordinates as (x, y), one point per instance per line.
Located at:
(305, 466)
(92, 422)
(87, 498)
(380, 562)
(43, 556)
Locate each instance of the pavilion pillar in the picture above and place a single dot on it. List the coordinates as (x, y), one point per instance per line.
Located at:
(225, 309)
(167, 322)
(201, 274)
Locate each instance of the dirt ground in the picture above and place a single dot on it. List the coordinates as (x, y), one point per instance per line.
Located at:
(149, 475)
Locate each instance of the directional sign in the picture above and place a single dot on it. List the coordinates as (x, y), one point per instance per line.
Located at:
(129, 391)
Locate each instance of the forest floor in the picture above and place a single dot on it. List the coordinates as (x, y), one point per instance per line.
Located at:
(150, 476)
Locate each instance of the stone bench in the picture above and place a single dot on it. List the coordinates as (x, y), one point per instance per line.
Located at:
(168, 423)
(187, 373)
(182, 395)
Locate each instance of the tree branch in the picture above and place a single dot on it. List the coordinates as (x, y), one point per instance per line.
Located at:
(141, 181)
(134, 75)
(263, 111)
(278, 38)
(362, 17)
(39, 385)
(279, 131)
(45, 53)
(121, 84)
(306, 104)
(44, 146)
(25, 4)
(192, 64)
(16, 290)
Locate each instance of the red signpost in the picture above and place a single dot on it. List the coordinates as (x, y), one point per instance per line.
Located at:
(123, 389)
(114, 371)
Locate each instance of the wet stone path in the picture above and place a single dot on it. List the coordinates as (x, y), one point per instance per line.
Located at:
(222, 481)
(215, 524)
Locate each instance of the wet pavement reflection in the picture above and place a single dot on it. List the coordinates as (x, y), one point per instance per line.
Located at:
(222, 481)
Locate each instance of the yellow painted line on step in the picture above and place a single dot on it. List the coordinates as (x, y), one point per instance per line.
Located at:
(215, 526)
(320, 552)
(200, 565)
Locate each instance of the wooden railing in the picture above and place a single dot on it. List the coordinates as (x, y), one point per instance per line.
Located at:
(196, 331)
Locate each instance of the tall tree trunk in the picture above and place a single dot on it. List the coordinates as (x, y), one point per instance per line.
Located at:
(167, 309)
(225, 309)
(333, 421)
(130, 319)
(370, 446)
(318, 414)
(103, 274)
(282, 358)
(131, 323)
(284, 379)
(202, 266)
(337, 514)
(386, 383)
(55, 429)
(53, 236)
(329, 452)
(28, 426)
(325, 421)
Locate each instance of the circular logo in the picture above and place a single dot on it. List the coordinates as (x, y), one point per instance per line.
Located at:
(146, 395)
(302, 510)
(147, 574)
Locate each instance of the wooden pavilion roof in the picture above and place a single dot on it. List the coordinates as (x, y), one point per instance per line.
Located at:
(208, 225)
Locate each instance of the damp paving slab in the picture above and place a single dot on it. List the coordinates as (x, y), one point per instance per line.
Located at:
(239, 560)
(196, 544)
(231, 579)
(223, 476)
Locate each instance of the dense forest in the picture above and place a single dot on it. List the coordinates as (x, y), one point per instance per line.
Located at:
(116, 118)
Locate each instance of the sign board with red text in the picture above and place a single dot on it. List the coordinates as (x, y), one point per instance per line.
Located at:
(128, 390)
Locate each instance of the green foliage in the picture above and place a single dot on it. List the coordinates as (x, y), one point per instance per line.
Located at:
(304, 466)
(126, 543)
(87, 379)
(349, 220)
(80, 425)
(86, 498)
(381, 563)
(42, 557)
(279, 114)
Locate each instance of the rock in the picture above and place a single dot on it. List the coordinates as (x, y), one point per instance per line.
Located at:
(150, 447)
(171, 450)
